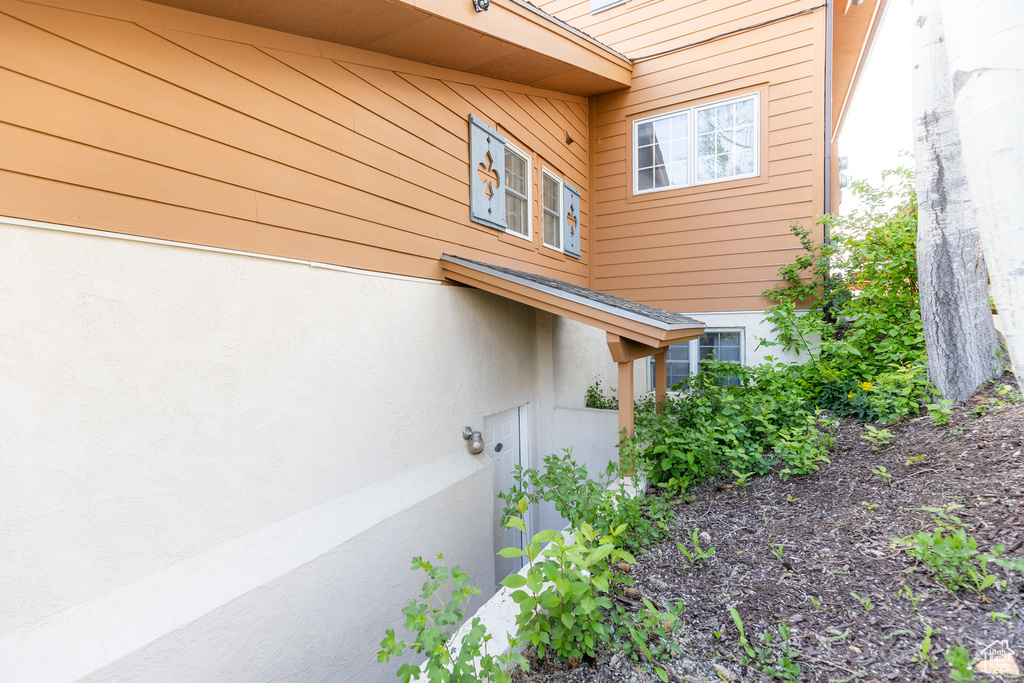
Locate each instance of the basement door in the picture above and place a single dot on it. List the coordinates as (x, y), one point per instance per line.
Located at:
(504, 437)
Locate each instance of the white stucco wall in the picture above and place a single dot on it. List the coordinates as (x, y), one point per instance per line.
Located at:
(220, 465)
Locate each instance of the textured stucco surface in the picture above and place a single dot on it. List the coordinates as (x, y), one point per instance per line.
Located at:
(221, 462)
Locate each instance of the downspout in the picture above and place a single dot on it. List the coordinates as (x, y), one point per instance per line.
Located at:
(828, 116)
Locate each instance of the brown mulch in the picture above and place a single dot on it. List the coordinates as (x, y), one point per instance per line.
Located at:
(835, 528)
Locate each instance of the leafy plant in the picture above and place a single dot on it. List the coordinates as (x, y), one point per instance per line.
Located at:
(649, 632)
(774, 657)
(906, 592)
(941, 412)
(915, 460)
(924, 655)
(862, 334)
(567, 588)
(870, 506)
(581, 499)
(883, 473)
(865, 602)
(434, 626)
(698, 555)
(741, 477)
(596, 398)
(950, 555)
(959, 663)
(878, 438)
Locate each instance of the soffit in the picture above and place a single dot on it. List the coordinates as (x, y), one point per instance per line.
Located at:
(512, 40)
(853, 30)
(644, 324)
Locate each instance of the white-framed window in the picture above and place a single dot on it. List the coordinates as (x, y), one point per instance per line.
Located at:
(683, 360)
(703, 144)
(517, 191)
(551, 209)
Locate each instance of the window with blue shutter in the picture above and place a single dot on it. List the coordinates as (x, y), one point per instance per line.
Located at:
(486, 174)
(570, 220)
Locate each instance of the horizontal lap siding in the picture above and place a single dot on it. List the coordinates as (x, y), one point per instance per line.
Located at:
(202, 137)
(718, 246)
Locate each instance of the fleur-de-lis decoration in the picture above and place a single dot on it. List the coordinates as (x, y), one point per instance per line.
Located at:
(570, 218)
(488, 176)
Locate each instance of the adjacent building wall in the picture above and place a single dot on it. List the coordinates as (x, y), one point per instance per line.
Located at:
(143, 119)
(712, 247)
(217, 467)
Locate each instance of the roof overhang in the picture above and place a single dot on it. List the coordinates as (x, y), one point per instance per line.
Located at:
(513, 40)
(853, 31)
(634, 329)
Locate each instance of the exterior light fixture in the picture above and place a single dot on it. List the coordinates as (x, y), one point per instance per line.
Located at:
(481, 5)
(474, 441)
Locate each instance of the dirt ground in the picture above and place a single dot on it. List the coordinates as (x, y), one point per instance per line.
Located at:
(812, 550)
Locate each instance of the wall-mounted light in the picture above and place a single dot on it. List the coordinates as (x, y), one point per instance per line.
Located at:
(481, 5)
(474, 441)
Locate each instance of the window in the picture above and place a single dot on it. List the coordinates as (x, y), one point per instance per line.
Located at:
(552, 210)
(704, 144)
(683, 360)
(517, 191)
(601, 5)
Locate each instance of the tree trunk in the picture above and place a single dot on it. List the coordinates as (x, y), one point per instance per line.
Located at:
(985, 46)
(952, 278)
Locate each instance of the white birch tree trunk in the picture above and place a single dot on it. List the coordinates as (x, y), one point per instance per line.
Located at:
(952, 279)
(985, 46)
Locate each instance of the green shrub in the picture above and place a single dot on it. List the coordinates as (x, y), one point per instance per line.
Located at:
(434, 626)
(862, 335)
(582, 500)
(761, 421)
(596, 398)
(564, 596)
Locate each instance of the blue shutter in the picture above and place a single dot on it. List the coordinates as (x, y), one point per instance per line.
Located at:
(571, 220)
(486, 175)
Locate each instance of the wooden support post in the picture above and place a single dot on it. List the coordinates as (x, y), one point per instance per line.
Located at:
(660, 380)
(625, 408)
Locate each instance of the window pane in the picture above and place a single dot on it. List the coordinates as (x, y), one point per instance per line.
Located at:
(515, 172)
(663, 152)
(516, 216)
(726, 144)
(552, 221)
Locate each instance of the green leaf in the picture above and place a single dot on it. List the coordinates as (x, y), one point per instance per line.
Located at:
(511, 552)
(514, 581)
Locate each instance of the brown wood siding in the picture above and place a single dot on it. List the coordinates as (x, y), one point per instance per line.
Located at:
(641, 27)
(717, 246)
(141, 119)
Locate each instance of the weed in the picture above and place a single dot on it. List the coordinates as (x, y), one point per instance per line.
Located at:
(791, 498)
(649, 632)
(878, 438)
(814, 601)
(698, 555)
(951, 556)
(941, 412)
(915, 460)
(865, 602)
(959, 663)
(596, 398)
(774, 658)
(905, 592)
(883, 473)
(924, 655)
(741, 477)
(777, 551)
(870, 506)
(1000, 618)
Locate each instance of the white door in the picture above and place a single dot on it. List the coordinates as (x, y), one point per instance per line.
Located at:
(502, 438)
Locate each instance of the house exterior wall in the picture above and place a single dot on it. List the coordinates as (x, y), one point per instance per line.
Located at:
(139, 118)
(712, 247)
(217, 466)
